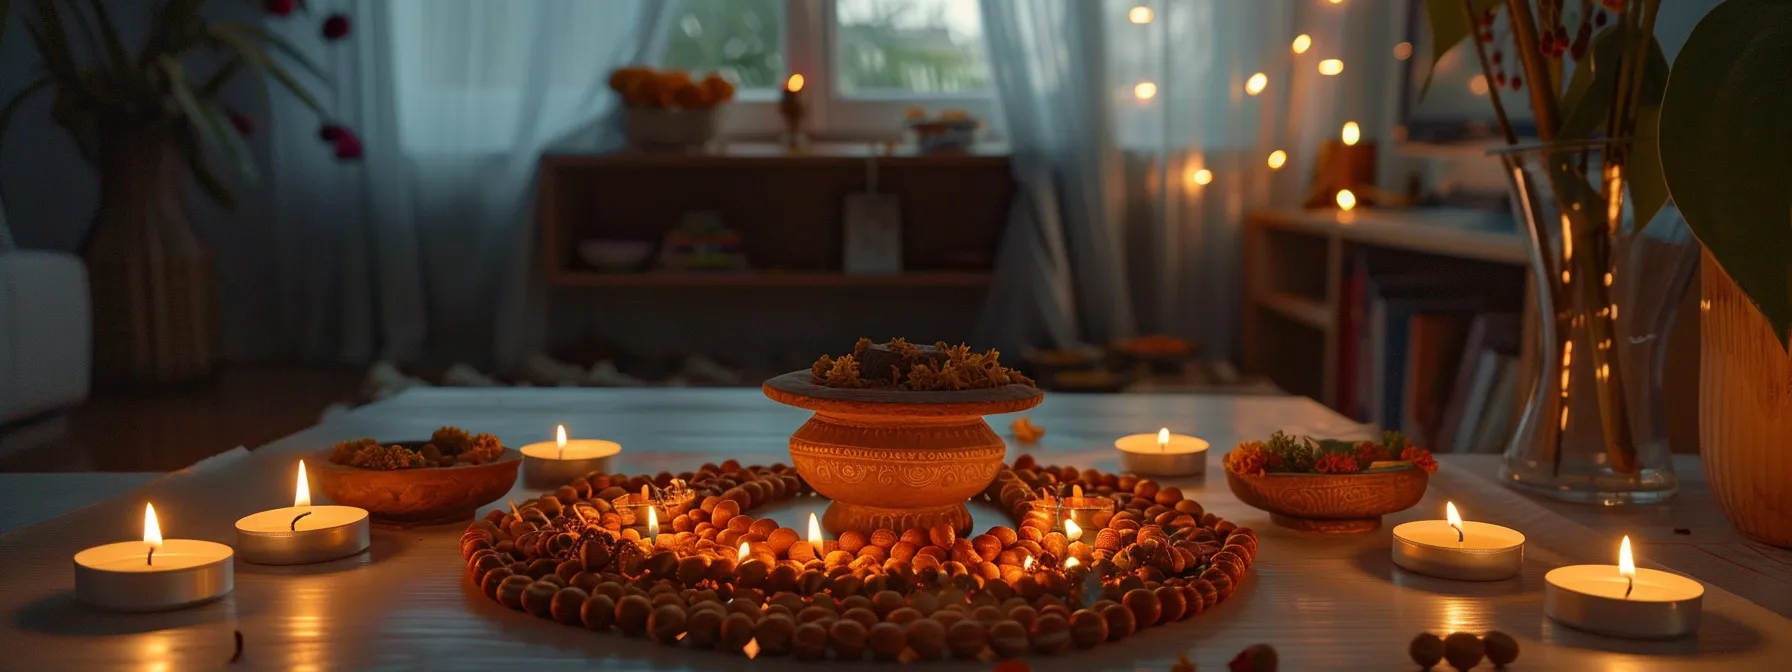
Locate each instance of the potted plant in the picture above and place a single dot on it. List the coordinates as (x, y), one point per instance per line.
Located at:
(146, 118)
(1724, 147)
(1609, 260)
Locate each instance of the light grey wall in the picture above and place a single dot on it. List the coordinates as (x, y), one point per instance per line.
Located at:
(50, 191)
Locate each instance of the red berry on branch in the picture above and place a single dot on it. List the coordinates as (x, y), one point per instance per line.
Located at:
(278, 7)
(336, 27)
(241, 122)
(1499, 80)
(330, 132)
(1516, 82)
(348, 147)
(1497, 56)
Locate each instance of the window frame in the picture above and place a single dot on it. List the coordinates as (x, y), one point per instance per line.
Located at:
(810, 49)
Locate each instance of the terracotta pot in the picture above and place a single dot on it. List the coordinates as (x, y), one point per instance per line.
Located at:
(153, 283)
(415, 497)
(892, 459)
(1331, 503)
(1745, 410)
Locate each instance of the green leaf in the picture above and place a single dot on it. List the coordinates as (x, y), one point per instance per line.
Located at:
(206, 117)
(121, 57)
(18, 99)
(280, 44)
(216, 82)
(1648, 186)
(253, 55)
(1448, 28)
(1588, 98)
(202, 172)
(1725, 143)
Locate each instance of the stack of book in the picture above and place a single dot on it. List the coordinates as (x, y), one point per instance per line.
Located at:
(1431, 354)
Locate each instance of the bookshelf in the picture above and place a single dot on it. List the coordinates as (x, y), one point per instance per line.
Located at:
(1298, 265)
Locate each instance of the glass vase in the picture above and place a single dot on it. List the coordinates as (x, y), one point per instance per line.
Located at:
(1604, 292)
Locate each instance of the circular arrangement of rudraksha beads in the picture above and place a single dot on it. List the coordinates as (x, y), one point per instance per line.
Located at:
(717, 578)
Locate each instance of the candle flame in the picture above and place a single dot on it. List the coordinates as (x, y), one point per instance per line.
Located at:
(1626, 564)
(1076, 491)
(1072, 531)
(814, 532)
(1163, 439)
(1352, 133)
(1256, 84)
(1451, 515)
(302, 494)
(1070, 562)
(1028, 565)
(1346, 200)
(152, 530)
(560, 441)
(653, 523)
(1302, 42)
(644, 494)
(794, 84)
(744, 552)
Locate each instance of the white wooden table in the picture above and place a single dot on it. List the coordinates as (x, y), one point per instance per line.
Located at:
(1330, 603)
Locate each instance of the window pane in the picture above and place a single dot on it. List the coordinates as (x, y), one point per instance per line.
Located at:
(741, 38)
(909, 46)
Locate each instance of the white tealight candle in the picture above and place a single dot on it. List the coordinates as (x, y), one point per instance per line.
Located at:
(1458, 550)
(1623, 601)
(551, 464)
(153, 574)
(1162, 454)
(302, 533)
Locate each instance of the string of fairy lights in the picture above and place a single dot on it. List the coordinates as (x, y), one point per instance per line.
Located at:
(1145, 90)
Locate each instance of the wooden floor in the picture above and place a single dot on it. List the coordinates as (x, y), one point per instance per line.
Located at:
(246, 405)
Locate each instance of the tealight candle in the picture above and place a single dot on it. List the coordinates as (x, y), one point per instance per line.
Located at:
(1623, 601)
(639, 507)
(1164, 454)
(153, 574)
(1077, 507)
(816, 541)
(1457, 550)
(302, 533)
(551, 464)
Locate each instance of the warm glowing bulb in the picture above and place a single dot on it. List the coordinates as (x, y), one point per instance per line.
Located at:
(814, 532)
(1346, 200)
(1028, 565)
(1277, 159)
(1451, 515)
(1256, 84)
(1331, 66)
(1402, 51)
(1163, 439)
(1478, 85)
(1201, 177)
(1144, 90)
(302, 494)
(1352, 133)
(1337, 2)
(653, 523)
(1302, 43)
(742, 555)
(1141, 15)
(1626, 564)
(1072, 531)
(1070, 562)
(152, 530)
(794, 84)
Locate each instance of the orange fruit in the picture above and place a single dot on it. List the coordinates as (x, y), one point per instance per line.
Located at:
(719, 90)
(624, 79)
(691, 97)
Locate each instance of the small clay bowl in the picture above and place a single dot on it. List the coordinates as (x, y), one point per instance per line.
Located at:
(404, 498)
(1331, 503)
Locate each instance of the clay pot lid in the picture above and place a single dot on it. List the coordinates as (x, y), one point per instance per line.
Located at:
(794, 389)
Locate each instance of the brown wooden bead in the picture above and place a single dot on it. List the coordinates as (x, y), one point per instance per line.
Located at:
(1056, 544)
(703, 627)
(942, 535)
(987, 613)
(852, 540)
(1006, 535)
(737, 630)
(864, 615)
(883, 539)
(967, 638)
(1170, 603)
(1120, 622)
(782, 539)
(903, 616)
(903, 551)
(666, 623)
(1464, 650)
(839, 558)
(566, 603)
(1087, 628)
(875, 553)
(887, 601)
(887, 640)
(927, 637)
(846, 637)
(914, 535)
(632, 613)
(809, 641)
(598, 612)
(774, 634)
(1008, 639)
(1051, 634)
(800, 551)
(510, 590)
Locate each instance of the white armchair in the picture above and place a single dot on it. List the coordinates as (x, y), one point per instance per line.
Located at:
(46, 329)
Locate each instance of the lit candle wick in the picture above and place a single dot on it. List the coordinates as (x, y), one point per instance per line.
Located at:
(1163, 440)
(1629, 585)
(1626, 566)
(151, 558)
(295, 521)
(560, 441)
(1454, 519)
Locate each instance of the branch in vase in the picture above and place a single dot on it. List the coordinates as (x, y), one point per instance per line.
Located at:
(1543, 97)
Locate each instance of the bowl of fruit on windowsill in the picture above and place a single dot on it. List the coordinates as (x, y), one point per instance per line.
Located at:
(412, 483)
(669, 110)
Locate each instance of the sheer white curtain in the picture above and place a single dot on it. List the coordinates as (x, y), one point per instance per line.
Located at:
(425, 249)
(1132, 197)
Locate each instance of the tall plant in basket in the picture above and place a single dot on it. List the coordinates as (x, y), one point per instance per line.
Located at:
(146, 116)
(1609, 258)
